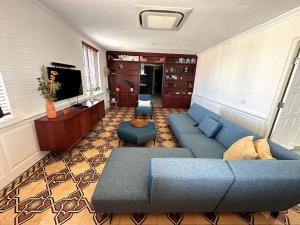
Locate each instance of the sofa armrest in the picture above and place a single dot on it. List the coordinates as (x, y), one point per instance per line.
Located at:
(275, 184)
(193, 183)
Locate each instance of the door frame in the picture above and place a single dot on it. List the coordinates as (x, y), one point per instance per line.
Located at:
(290, 66)
(154, 64)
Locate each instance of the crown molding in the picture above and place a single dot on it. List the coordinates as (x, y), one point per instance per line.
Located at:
(53, 14)
(271, 22)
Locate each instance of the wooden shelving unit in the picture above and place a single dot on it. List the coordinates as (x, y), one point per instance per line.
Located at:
(178, 81)
(178, 77)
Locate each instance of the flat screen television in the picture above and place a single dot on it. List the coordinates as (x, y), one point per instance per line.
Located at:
(70, 80)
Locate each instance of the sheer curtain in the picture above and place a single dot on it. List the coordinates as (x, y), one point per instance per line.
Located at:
(91, 66)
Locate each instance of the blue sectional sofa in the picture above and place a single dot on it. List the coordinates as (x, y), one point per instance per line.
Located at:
(195, 178)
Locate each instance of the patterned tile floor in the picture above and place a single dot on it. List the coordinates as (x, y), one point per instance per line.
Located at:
(58, 190)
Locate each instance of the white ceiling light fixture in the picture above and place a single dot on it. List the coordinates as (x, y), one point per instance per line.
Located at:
(161, 18)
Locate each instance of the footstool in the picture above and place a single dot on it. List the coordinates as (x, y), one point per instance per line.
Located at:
(136, 135)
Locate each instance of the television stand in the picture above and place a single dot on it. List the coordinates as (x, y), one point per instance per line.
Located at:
(65, 130)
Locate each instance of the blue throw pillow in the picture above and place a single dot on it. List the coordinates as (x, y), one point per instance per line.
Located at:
(210, 127)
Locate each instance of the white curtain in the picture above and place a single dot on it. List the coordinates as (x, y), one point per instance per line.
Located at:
(91, 66)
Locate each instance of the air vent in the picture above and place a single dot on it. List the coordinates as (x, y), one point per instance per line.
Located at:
(161, 18)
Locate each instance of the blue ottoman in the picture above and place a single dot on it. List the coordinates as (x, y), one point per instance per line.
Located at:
(136, 135)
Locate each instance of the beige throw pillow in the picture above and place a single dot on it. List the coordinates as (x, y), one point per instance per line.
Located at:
(263, 149)
(241, 149)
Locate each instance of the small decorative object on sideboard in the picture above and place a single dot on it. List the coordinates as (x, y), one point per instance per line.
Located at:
(47, 87)
(66, 111)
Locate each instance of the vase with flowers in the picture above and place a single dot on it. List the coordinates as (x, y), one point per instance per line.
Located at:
(47, 87)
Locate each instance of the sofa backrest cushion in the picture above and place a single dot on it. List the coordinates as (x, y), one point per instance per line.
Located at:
(198, 113)
(262, 185)
(232, 132)
(280, 152)
(209, 126)
(144, 97)
(187, 185)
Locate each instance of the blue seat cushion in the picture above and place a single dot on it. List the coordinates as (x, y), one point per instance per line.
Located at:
(182, 123)
(232, 132)
(136, 135)
(209, 127)
(142, 110)
(123, 186)
(198, 113)
(202, 146)
(188, 185)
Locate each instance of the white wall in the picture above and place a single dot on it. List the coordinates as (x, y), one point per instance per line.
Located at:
(30, 37)
(242, 77)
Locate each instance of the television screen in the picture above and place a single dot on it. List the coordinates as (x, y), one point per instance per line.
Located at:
(70, 80)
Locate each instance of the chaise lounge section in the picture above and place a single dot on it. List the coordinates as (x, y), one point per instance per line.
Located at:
(195, 178)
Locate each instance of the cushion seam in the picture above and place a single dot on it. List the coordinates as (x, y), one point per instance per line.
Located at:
(228, 189)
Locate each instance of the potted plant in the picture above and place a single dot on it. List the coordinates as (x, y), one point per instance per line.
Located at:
(91, 92)
(130, 84)
(112, 94)
(47, 87)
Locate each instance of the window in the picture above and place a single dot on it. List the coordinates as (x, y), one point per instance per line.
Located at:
(91, 66)
(4, 103)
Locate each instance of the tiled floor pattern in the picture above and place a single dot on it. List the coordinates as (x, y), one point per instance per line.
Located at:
(59, 191)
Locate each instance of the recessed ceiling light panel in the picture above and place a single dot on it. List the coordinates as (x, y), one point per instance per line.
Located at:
(161, 18)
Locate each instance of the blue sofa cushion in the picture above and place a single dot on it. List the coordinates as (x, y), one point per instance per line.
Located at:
(202, 146)
(280, 152)
(232, 132)
(182, 123)
(262, 185)
(188, 185)
(209, 127)
(123, 186)
(198, 113)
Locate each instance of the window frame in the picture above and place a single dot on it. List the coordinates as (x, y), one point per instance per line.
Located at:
(4, 101)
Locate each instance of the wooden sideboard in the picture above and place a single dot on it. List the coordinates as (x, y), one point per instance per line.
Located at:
(64, 131)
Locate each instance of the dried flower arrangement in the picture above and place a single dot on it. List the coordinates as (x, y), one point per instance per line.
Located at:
(47, 87)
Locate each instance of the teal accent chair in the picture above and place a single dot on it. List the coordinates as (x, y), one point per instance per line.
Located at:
(140, 110)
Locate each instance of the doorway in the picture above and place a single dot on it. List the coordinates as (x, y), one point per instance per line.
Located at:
(286, 126)
(151, 82)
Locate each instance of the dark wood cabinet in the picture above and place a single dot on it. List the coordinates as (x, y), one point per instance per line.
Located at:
(101, 109)
(176, 101)
(64, 131)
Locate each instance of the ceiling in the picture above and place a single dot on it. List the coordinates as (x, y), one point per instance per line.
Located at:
(113, 24)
